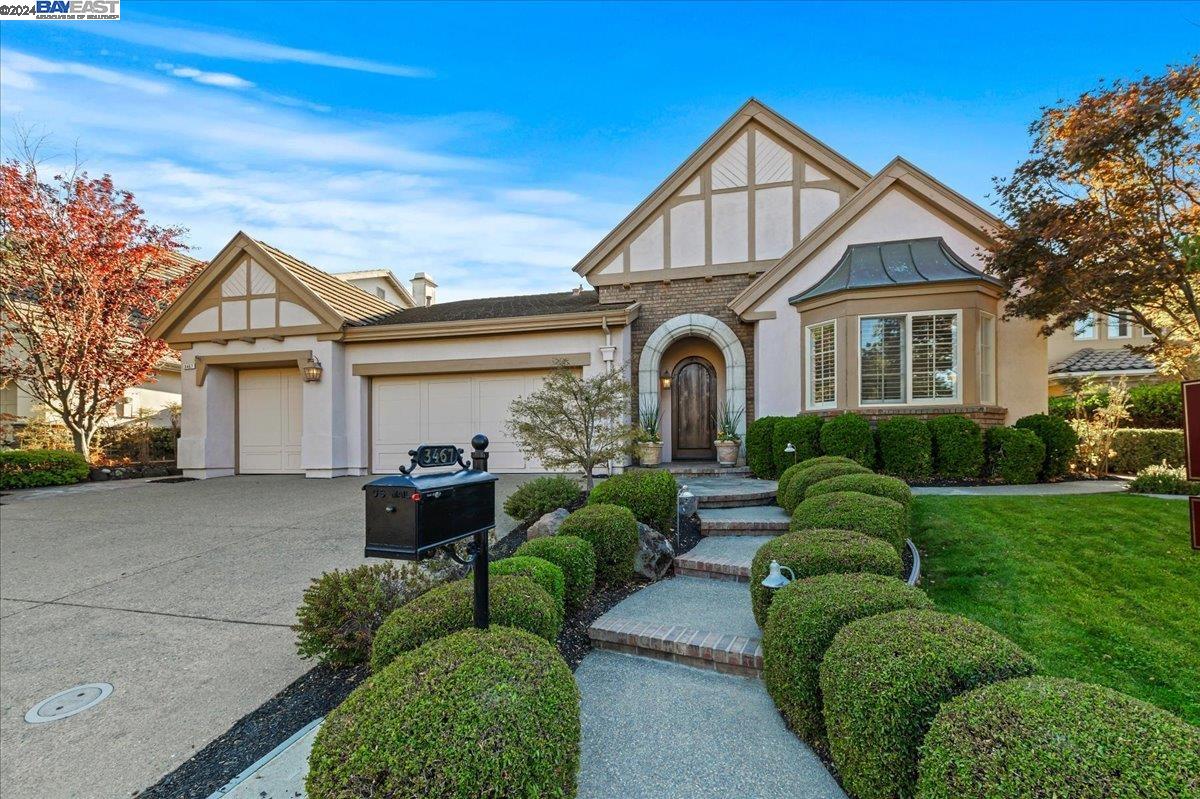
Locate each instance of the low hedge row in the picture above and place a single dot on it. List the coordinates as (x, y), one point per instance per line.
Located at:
(1060, 440)
(803, 433)
(29, 468)
(514, 602)
(813, 552)
(480, 713)
(884, 678)
(759, 454)
(957, 446)
(849, 435)
(879, 485)
(1048, 737)
(905, 447)
(1136, 449)
(612, 531)
(805, 479)
(1015, 455)
(878, 517)
(650, 494)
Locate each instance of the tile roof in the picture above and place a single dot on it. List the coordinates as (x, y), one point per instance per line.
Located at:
(1090, 359)
(563, 302)
(356, 306)
(894, 263)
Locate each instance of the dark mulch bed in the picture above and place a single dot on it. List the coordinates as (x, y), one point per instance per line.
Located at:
(310, 697)
(947, 482)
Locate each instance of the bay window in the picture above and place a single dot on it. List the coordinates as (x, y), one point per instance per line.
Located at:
(821, 365)
(909, 358)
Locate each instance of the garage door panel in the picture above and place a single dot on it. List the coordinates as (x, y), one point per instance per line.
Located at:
(447, 413)
(270, 421)
(395, 422)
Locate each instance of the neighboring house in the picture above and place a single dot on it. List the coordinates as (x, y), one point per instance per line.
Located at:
(1098, 347)
(767, 272)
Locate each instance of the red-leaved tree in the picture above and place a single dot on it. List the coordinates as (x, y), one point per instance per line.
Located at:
(82, 275)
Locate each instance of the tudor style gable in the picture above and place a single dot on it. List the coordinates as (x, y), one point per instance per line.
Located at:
(745, 198)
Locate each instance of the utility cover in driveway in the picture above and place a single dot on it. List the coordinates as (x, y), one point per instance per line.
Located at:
(68, 703)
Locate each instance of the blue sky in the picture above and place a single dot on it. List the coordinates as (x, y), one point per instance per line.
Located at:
(493, 145)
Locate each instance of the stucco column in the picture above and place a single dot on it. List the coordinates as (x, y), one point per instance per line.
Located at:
(323, 442)
(207, 424)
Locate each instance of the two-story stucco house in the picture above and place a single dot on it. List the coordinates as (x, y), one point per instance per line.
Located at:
(767, 272)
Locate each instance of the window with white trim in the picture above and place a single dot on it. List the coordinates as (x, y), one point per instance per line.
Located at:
(822, 365)
(909, 358)
(987, 358)
(1085, 329)
(1119, 326)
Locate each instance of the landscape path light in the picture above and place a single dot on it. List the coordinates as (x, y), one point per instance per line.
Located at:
(775, 579)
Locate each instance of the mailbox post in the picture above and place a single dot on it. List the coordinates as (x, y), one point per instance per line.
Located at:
(414, 517)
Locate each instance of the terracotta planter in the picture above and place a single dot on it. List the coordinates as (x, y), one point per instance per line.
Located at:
(650, 452)
(727, 452)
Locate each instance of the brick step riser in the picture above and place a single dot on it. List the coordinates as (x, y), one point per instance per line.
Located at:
(735, 502)
(716, 532)
(739, 575)
(683, 474)
(728, 654)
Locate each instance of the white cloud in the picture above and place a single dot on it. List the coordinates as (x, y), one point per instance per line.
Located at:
(17, 71)
(238, 48)
(542, 196)
(225, 80)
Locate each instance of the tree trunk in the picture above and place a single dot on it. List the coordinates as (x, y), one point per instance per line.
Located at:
(83, 442)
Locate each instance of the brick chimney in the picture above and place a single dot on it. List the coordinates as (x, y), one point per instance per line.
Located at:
(424, 290)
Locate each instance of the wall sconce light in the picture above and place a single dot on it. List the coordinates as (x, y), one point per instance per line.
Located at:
(665, 380)
(311, 370)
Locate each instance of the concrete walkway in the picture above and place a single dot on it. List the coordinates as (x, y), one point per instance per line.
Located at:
(1068, 488)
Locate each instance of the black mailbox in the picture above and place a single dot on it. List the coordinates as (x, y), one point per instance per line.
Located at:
(409, 517)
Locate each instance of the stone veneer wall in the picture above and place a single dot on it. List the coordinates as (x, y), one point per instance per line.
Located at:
(984, 415)
(662, 301)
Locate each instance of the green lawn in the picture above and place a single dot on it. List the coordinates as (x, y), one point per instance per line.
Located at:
(1101, 588)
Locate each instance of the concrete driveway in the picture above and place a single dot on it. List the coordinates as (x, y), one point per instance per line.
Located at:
(179, 595)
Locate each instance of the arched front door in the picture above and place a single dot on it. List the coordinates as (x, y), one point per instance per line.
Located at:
(693, 410)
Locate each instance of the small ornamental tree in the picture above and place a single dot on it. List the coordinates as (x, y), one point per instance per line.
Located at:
(574, 422)
(1103, 215)
(82, 275)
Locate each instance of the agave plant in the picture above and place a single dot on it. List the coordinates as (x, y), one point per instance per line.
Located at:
(648, 422)
(728, 419)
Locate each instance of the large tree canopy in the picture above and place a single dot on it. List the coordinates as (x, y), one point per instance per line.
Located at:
(1105, 214)
(82, 275)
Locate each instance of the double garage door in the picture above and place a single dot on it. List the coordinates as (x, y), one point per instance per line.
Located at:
(448, 409)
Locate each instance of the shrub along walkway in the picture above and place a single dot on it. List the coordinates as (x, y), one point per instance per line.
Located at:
(659, 729)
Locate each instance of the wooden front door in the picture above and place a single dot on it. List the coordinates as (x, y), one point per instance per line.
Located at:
(693, 407)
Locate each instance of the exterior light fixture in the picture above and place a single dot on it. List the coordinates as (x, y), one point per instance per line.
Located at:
(311, 370)
(665, 380)
(775, 579)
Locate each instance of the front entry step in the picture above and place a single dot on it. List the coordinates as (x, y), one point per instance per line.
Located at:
(735, 492)
(688, 620)
(752, 520)
(685, 469)
(721, 558)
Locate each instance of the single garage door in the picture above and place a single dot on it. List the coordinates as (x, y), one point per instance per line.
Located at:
(448, 409)
(269, 421)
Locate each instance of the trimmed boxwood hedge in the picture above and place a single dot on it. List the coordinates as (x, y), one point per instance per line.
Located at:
(805, 616)
(1136, 449)
(1044, 736)
(878, 517)
(482, 713)
(957, 446)
(849, 435)
(811, 552)
(785, 480)
(883, 679)
(612, 531)
(905, 447)
(650, 493)
(760, 439)
(806, 478)
(1059, 438)
(789, 474)
(540, 496)
(879, 485)
(577, 560)
(1015, 455)
(803, 432)
(514, 602)
(824, 460)
(540, 570)
(29, 468)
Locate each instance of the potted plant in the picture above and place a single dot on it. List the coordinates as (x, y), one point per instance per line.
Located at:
(649, 439)
(728, 441)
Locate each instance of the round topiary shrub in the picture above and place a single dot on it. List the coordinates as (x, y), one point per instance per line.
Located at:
(577, 560)
(480, 713)
(883, 679)
(812, 552)
(905, 447)
(651, 494)
(814, 474)
(1059, 438)
(540, 570)
(514, 602)
(849, 435)
(878, 517)
(612, 532)
(879, 485)
(540, 496)
(1015, 455)
(802, 432)
(760, 456)
(341, 610)
(957, 447)
(1043, 736)
(823, 460)
(785, 480)
(805, 616)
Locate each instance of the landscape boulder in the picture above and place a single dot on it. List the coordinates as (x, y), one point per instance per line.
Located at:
(547, 525)
(655, 553)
